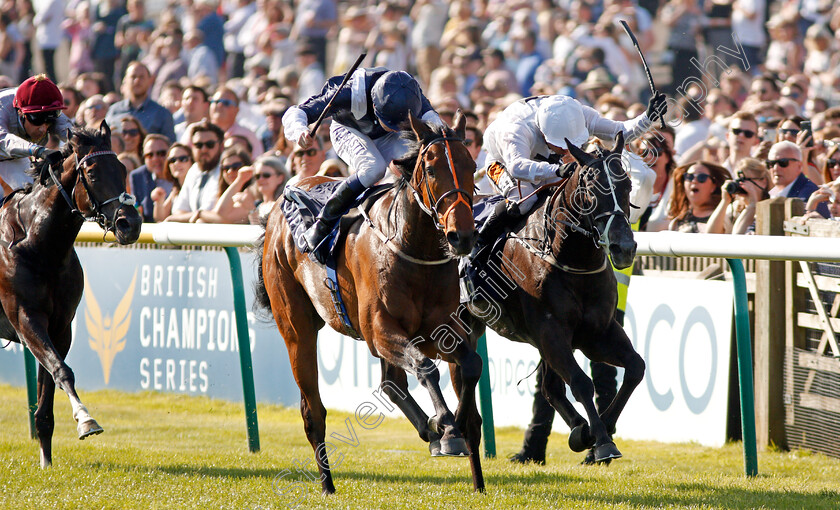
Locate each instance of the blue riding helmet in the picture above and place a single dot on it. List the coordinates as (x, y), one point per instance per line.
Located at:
(393, 95)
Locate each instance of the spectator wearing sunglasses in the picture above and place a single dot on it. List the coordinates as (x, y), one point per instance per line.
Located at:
(133, 134)
(137, 83)
(271, 177)
(92, 112)
(236, 197)
(785, 165)
(789, 129)
(735, 214)
(28, 115)
(224, 107)
(741, 137)
(178, 162)
(831, 164)
(306, 162)
(150, 176)
(200, 189)
(696, 195)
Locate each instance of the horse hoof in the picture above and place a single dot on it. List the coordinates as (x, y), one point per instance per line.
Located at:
(89, 428)
(434, 448)
(580, 438)
(454, 447)
(606, 452)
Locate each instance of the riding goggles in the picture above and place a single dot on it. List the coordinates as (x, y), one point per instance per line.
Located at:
(41, 118)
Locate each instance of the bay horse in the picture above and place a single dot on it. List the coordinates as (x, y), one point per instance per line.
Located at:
(41, 279)
(558, 293)
(398, 276)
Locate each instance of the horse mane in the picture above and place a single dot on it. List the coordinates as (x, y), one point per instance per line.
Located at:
(406, 164)
(85, 137)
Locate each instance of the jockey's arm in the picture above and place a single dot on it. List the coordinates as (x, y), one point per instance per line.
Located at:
(607, 129)
(297, 118)
(516, 150)
(13, 146)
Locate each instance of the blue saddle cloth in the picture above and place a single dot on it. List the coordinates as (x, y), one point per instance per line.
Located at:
(301, 209)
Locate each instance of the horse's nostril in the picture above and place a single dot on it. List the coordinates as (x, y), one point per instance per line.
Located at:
(122, 224)
(453, 238)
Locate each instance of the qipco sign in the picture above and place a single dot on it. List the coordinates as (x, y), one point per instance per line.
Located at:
(682, 329)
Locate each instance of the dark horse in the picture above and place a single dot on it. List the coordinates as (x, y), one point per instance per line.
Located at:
(558, 292)
(41, 279)
(399, 281)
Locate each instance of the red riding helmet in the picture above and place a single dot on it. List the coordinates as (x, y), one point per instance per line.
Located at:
(38, 94)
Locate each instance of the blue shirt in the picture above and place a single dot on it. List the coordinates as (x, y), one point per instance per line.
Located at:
(142, 183)
(355, 92)
(154, 117)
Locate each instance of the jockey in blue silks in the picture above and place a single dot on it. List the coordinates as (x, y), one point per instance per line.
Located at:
(368, 115)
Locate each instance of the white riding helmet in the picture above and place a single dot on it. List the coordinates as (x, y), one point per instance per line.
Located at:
(561, 117)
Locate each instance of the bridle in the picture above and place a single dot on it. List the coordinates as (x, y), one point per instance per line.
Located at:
(601, 239)
(432, 208)
(96, 215)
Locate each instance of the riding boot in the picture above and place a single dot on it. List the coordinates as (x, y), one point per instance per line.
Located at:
(335, 207)
(504, 213)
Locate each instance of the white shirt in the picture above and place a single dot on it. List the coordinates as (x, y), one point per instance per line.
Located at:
(749, 31)
(200, 190)
(48, 17)
(514, 139)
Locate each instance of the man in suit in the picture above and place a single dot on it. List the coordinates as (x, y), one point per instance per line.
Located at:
(785, 164)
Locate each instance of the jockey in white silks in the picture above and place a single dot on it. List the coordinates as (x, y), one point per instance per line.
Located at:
(527, 148)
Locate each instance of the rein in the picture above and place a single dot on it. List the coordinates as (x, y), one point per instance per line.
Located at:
(97, 216)
(601, 239)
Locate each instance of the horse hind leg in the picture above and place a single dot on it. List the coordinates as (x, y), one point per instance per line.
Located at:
(395, 386)
(44, 418)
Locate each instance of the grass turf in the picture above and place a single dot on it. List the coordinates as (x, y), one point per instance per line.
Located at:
(171, 451)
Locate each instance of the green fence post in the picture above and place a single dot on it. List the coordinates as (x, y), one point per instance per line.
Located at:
(245, 364)
(745, 371)
(486, 401)
(31, 369)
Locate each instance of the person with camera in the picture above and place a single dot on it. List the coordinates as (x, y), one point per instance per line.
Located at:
(735, 213)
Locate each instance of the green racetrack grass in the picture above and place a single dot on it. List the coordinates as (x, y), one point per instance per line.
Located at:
(172, 451)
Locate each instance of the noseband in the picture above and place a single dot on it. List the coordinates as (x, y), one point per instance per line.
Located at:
(432, 208)
(97, 214)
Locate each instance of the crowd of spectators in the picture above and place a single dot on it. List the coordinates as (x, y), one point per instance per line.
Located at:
(194, 91)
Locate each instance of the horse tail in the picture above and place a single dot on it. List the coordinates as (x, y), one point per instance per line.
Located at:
(262, 304)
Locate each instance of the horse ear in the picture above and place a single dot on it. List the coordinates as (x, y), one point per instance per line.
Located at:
(460, 126)
(582, 157)
(418, 126)
(619, 143)
(105, 130)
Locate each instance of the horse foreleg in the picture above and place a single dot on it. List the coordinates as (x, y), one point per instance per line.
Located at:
(564, 364)
(51, 357)
(616, 349)
(465, 374)
(395, 385)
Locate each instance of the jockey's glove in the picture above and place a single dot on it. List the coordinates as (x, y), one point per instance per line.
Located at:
(51, 155)
(566, 170)
(657, 107)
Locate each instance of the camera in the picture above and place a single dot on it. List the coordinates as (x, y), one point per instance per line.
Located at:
(735, 188)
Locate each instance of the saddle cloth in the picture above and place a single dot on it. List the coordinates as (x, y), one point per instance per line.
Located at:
(301, 209)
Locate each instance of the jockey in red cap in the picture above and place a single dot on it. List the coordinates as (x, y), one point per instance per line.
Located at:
(27, 115)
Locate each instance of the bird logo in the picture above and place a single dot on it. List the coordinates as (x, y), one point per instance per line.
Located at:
(107, 333)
